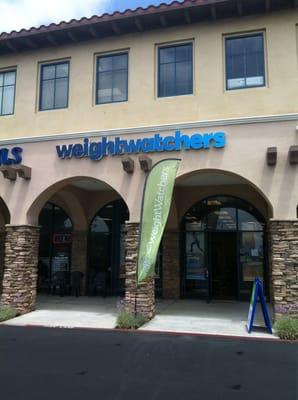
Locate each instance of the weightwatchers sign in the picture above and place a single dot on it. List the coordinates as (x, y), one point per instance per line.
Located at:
(118, 146)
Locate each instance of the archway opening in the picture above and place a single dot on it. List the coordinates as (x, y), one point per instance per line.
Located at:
(224, 249)
(78, 242)
(106, 250)
(217, 227)
(54, 264)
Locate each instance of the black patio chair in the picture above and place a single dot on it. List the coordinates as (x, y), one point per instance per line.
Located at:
(59, 280)
(75, 282)
(99, 284)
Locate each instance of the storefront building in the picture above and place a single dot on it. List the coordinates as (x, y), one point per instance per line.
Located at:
(86, 109)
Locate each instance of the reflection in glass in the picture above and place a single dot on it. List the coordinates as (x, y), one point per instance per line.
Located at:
(54, 246)
(251, 255)
(195, 256)
(247, 222)
(222, 215)
(112, 78)
(106, 248)
(222, 219)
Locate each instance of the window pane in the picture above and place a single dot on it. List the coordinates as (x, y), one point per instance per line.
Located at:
(167, 55)
(48, 72)
(251, 256)
(1, 79)
(62, 70)
(223, 219)
(104, 91)
(8, 100)
(120, 86)
(167, 80)
(247, 222)
(10, 78)
(62, 222)
(235, 59)
(99, 225)
(61, 93)
(255, 58)
(1, 93)
(112, 78)
(120, 61)
(47, 95)
(183, 78)
(245, 62)
(105, 64)
(184, 53)
(195, 250)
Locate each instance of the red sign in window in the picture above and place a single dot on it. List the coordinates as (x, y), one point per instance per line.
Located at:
(62, 238)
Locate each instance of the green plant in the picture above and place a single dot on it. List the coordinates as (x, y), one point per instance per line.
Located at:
(287, 328)
(7, 312)
(126, 320)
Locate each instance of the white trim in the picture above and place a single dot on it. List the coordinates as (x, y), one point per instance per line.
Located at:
(154, 128)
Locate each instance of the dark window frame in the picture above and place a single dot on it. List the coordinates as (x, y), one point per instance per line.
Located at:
(14, 92)
(41, 80)
(97, 73)
(244, 36)
(169, 46)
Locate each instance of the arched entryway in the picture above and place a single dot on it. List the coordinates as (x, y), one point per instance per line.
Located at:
(55, 245)
(223, 249)
(70, 254)
(106, 250)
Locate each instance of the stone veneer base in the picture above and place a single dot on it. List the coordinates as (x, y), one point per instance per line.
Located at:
(20, 267)
(284, 266)
(138, 298)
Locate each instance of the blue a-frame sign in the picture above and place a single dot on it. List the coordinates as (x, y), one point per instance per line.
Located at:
(258, 291)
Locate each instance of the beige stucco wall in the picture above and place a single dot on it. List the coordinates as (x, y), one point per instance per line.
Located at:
(244, 156)
(209, 101)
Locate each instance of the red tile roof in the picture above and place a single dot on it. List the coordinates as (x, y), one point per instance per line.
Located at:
(132, 21)
(140, 11)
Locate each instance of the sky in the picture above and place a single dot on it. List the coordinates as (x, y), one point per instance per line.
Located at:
(18, 14)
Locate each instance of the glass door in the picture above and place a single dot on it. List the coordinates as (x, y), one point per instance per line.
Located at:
(195, 280)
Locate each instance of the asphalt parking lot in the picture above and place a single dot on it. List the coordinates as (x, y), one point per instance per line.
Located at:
(46, 363)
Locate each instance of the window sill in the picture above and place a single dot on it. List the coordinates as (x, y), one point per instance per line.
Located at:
(111, 103)
(245, 89)
(53, 109)
(175, 97)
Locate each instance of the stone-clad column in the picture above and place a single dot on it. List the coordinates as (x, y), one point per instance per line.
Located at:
(170, 265)
(284, 266)
(20, 267)
(2, 245)
(79, 255)
(141, 298)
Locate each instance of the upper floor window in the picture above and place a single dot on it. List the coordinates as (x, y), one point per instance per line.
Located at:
(112, 78)
(54, 86)
(175, 70)
(7, 92)
(245, 65)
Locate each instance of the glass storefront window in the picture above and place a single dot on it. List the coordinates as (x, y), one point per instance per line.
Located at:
(224, 237)
(54, 246)
(223, 219)
(251, 255)
(106, 249)
(196, 269)
(247, 222)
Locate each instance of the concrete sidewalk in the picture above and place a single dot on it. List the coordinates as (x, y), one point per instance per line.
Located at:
(182, 316)
(71, 312)
(216, 318)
